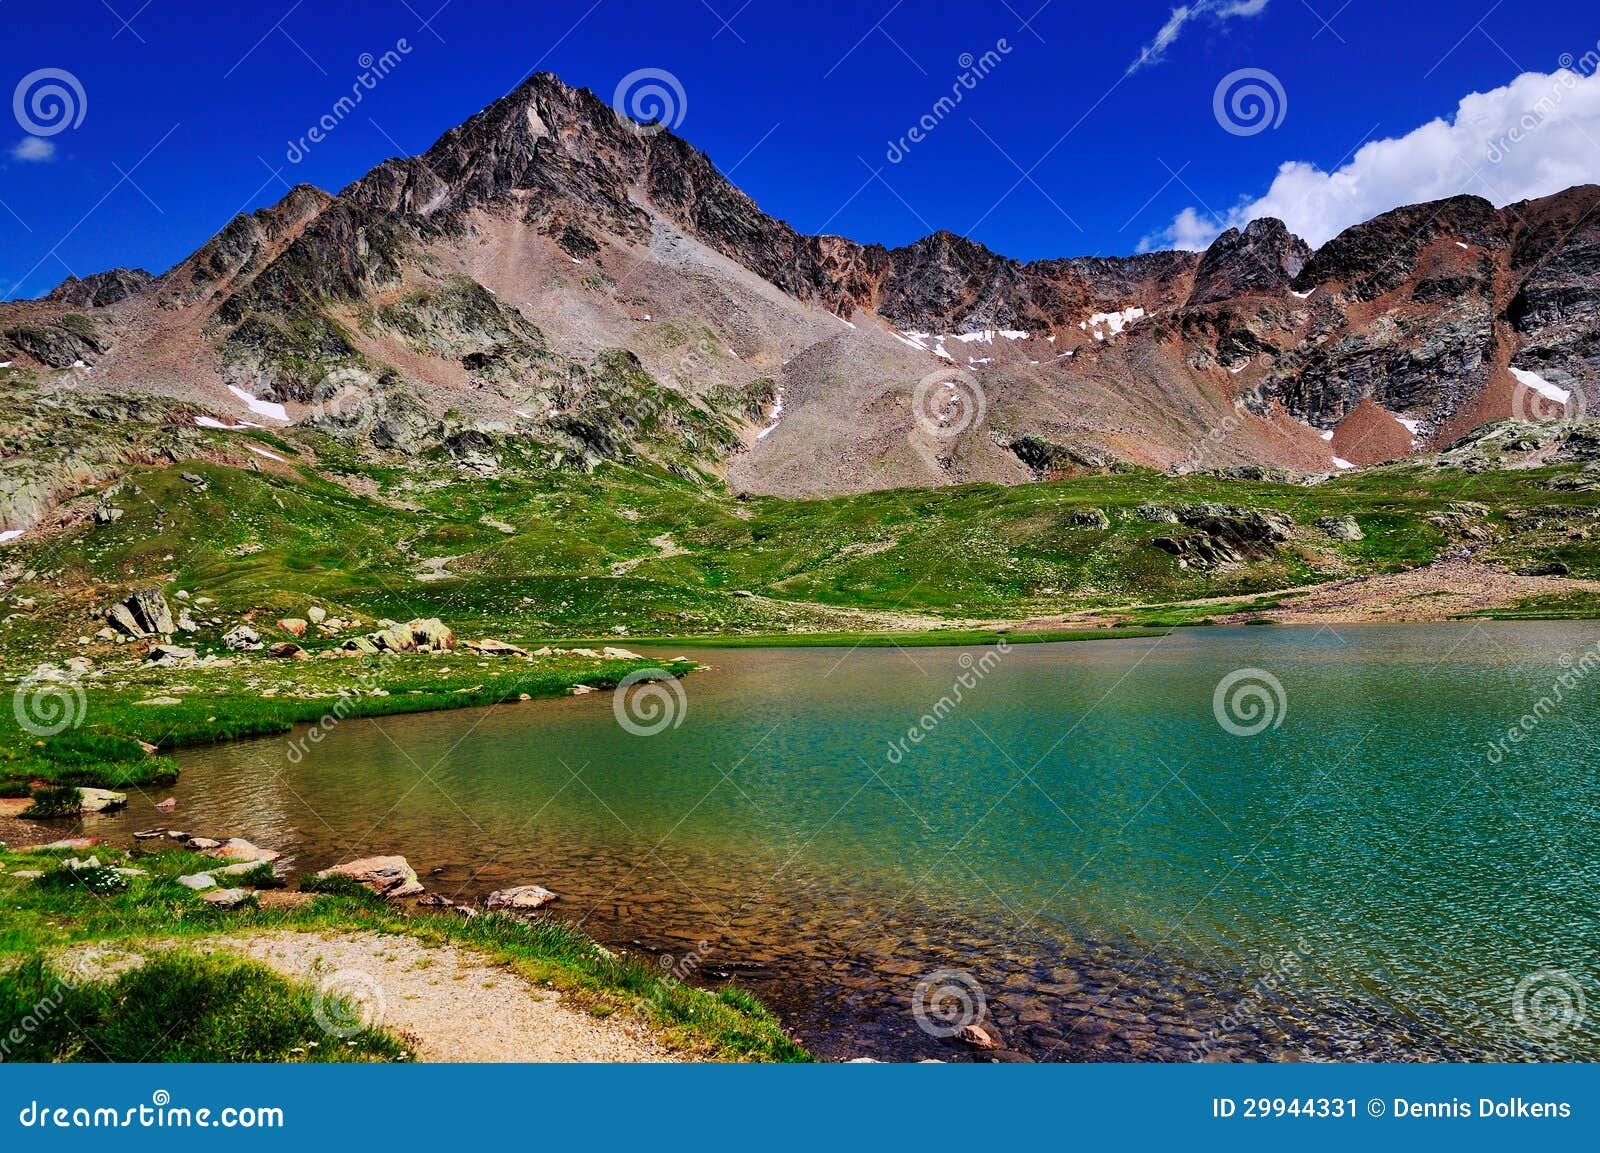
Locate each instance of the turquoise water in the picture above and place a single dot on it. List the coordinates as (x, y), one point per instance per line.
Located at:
(1362, 878)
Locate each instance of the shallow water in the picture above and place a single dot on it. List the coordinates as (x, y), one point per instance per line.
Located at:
(1107, 870)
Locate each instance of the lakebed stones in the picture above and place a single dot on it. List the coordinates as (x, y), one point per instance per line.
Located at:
(143, 613)
(386, 876)
(521, 899)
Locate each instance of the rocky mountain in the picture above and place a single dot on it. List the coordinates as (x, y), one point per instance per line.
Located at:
(554, 271)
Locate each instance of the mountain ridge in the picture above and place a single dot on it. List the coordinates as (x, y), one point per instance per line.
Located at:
(547, 248)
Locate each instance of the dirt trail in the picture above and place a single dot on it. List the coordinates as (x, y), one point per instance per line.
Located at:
(449, 1003)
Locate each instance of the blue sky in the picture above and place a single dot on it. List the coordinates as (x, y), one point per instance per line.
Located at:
(1066, 146)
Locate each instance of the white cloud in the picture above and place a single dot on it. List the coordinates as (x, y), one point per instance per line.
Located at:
(1533, 137)
(35, 149)
(1184, 15)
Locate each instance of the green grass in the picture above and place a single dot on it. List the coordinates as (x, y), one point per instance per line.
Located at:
(934, 638)
(177, 1006)
(264, 697)
(153, 915)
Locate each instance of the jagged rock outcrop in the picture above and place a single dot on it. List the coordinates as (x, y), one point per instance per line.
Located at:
(101, 289)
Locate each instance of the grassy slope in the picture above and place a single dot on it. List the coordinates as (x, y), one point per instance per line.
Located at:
(56, 911)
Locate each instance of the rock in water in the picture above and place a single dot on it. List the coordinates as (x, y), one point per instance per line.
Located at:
(385, 876)
(977, 1036)
(99, 800)
(523, 898)
(239, 849)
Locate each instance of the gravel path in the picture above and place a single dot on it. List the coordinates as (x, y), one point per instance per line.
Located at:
(450, 1004)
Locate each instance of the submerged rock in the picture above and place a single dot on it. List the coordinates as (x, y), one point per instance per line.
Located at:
(522, 898)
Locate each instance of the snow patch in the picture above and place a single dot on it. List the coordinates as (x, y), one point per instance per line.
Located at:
(1302, 295)
(1462, 246)
(265, 453)
(1540, 385)
(775, 416)
(213, 422)
(1340, 462)
(1115, 322)
(1328, 435)
(842, 320)
(1411, 425)
(11, 534)
(260, 407)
